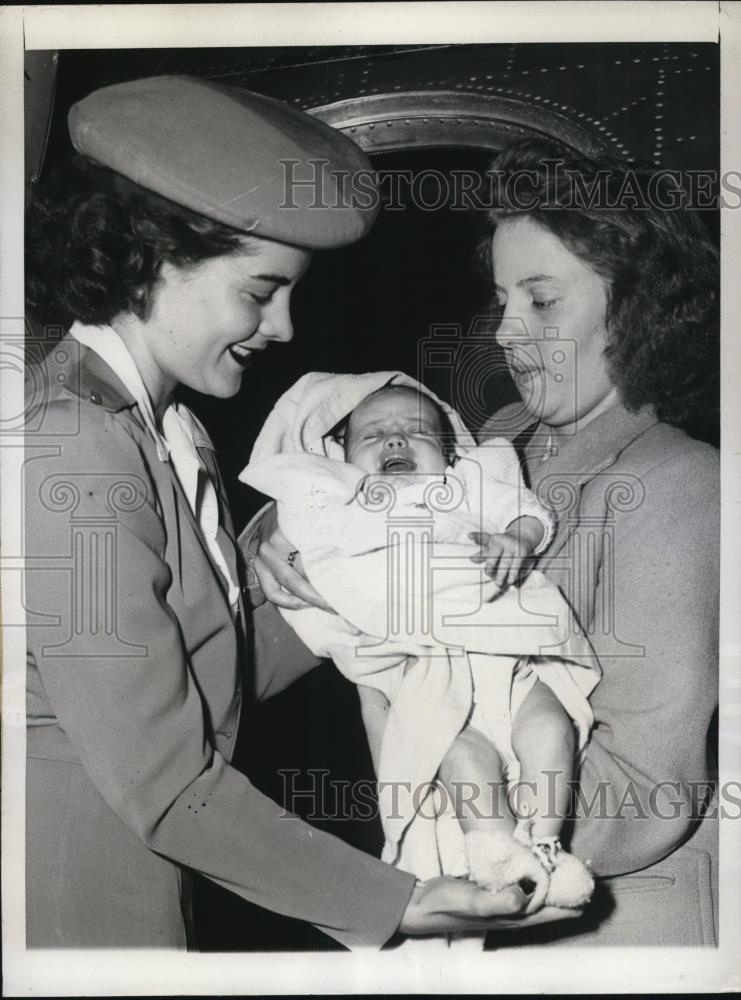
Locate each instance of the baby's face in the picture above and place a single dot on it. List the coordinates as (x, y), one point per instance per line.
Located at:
(395, 431)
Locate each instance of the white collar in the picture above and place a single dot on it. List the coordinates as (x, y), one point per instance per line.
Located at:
(111, 348)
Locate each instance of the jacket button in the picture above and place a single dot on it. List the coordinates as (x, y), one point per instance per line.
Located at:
(96, 398)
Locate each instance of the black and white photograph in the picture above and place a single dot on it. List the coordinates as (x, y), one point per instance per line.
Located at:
(370, 492)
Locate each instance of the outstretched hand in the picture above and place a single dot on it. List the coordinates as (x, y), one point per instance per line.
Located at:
(449, 905)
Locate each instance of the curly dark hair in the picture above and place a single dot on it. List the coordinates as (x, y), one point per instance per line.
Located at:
(631, 226)
(97, 241)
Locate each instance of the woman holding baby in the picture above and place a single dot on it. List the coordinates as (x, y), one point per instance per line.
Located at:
(609, 323)
(633, 293)
(172, 268)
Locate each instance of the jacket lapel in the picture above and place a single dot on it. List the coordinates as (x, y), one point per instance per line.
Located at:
(558, 481)
(185, 511)
(592, 450)
(226, 535)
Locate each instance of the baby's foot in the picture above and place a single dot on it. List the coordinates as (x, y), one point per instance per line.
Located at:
(571, 882)
(497, 860)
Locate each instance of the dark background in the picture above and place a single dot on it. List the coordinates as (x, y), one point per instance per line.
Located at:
(372, 305)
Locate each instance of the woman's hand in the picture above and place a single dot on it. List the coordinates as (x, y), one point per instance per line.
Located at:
(448, 905)
(283, 582)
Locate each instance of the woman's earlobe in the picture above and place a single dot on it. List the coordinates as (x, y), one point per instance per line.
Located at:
(140, 303)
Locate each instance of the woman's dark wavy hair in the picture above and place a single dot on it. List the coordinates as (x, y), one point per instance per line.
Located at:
(659, 264)
(97, 242)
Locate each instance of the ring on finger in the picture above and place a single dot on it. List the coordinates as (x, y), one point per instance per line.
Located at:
(291, 557)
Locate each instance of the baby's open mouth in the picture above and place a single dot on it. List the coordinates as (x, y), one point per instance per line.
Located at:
(397, 463)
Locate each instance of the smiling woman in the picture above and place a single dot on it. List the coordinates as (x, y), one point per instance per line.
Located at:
(207, 321)
(191, 298)
(170, 267)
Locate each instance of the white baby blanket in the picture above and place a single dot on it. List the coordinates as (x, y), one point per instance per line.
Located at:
(392, 556)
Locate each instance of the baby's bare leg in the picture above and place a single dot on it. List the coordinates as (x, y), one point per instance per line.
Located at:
(544, 742)
(472, 775)
(471, 771)
(374, 707)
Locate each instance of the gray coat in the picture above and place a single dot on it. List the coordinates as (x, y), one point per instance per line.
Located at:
(637, 555)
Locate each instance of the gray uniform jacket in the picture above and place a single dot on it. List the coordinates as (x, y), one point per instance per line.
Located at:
(135, 681)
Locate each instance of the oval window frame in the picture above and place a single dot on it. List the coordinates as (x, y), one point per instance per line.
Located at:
(384, 123)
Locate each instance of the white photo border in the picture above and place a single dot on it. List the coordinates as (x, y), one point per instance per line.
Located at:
(121, 972)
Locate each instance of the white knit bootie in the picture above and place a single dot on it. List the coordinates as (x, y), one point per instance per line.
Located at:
(571, 882)
(499, 859)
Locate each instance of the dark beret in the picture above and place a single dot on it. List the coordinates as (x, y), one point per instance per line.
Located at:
(238, 157)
